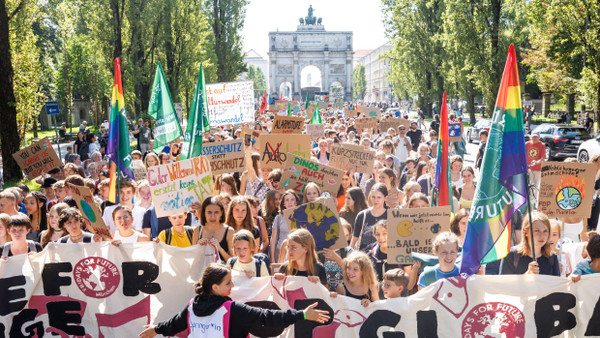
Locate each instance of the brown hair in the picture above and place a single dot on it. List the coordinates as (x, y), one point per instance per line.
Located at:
(369, 277)
(245, 235)
(248, 222)
(525, 247)
(67, 214)
(460, 214)
(212, 200)
(306, 240)
(4, 219)
(213, 274)
(58, 207)
(396, 276)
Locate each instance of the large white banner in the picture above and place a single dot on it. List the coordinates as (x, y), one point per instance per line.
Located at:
(230, 102)
(99, 290)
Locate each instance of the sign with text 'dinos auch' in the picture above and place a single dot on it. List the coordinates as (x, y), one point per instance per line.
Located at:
(275, 147)
(413, 230)
(567, 189)
(230, 102)
(176, 186)
(299, 171)
(226, 156)
(352, 157)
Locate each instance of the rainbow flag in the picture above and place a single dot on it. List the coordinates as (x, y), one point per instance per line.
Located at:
(117, 148)
(442, 170)
(503, 184)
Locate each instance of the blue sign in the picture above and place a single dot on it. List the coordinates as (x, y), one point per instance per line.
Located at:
(52, 108)
(454, 129)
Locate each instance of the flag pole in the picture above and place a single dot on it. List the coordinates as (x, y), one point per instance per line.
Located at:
(530, 219)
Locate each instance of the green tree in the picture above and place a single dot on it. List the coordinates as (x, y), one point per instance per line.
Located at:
(359, 80)
(260, 84)
(226, 18)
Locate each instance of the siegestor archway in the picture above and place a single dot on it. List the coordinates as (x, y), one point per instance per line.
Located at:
(285, 90)
(336, 90)
(310, 45)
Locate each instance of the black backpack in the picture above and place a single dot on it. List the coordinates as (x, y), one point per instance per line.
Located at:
(258, 260)
(189, 231)
(84, 150)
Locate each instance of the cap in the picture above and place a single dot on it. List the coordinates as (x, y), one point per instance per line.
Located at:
(48, 182)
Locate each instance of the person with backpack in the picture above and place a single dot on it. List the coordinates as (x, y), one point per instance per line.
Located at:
(213, 230)
(179, 235)
(19, 226)
(246, 261)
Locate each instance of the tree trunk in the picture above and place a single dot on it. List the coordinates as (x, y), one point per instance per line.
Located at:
(471, 102)
(597, 109)
(9, 136)
(571, 105)
(546, 97)
(116, 7)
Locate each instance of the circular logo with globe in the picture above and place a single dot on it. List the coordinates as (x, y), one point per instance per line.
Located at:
(88, 211)
(568, 198)
(320, 221)
(494, 319)
(96, 277)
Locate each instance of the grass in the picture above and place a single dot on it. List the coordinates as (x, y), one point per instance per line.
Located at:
(29, 183)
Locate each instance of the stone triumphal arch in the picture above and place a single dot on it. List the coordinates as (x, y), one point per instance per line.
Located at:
(310, 45)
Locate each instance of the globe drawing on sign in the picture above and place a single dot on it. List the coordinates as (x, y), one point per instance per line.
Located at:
(320, 221)
(568, 198)
(88, 211)
(435, 228)
(373, 113)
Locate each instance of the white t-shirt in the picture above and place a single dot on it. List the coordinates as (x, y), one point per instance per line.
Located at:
(138, 217)
(401, 152)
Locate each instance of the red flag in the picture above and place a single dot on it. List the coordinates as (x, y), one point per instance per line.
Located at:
(281, 97)
(263, 104)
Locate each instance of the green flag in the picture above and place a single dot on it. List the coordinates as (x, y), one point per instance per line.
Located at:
(289, 109)
(162, 110)
(316, 119)
(306, 102)
(197, 121)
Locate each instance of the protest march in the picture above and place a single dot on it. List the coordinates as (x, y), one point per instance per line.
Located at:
(332, 219)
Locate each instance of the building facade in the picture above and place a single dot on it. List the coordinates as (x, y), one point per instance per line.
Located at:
(376, 72)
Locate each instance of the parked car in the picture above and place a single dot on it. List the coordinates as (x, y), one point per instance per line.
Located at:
(473, 132)
(588, 149)
(561, 140)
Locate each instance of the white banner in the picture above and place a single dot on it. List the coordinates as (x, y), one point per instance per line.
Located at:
(230, 102)
(99, 290)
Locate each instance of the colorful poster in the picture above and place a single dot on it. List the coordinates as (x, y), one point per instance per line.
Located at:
(567, 189)
(299, 171)
(90, 211)
(365, 123)
(352, 157)
(413, 230)
(287, 125)
(37, 158)
(321, 219)
(455, 131)
(274, 148)
(226, 156)
(176, 186)
(230, 102)
(370, 112)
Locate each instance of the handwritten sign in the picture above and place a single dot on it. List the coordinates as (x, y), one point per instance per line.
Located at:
(321, 219)
(230, 102)
(365, 123)
(315, 130)
(274, 149)
(139, 170)
(311, 110)
(85, 202)
(352, 157)
(455, 132)
(94, 168)
(413, 230)
(36, 158)
(299, 171)
(370, 112)
(175, 186)
(350, 113)
(287, 125)
(393, 123)
(567, 189)
(225, 157)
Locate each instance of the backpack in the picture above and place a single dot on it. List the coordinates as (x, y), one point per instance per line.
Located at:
(84, 151)
(258, 260)
(6, 248)
(189, 231)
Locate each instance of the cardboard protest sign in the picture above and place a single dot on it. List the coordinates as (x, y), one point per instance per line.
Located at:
(175, 186)
(455, 132)
(287, 125)
(352, 157)
(311, 110)
(230, 102)
(139, 170)
(370, 112)
(274, 148)
(393, 123)
(413, 230)
(226, 156)
(365, 123)
(350, 113)
(85, 202)
(299, 171)
(321, 219)
(37, 158)
(315, 130)
(94, 168)
(567, 189)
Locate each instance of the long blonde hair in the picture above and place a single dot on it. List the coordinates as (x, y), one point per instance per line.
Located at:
(525, 247)
(369, 276)
(306, 240)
